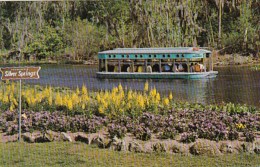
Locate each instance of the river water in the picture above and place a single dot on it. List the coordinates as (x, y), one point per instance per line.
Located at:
(233, 84)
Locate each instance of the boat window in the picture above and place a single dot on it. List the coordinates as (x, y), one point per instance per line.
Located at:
(109, 56)
(169, 56)
(123, 56)
(127, 56)
(163, 55)
(177, 56)
(150, 55)
(141, 56)
(155, 56)
(114, 56)
(136, 56)
(182, 55)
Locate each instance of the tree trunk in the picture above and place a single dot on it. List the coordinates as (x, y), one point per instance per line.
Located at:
(219, 23)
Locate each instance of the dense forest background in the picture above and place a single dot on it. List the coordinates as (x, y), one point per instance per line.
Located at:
(79, 29)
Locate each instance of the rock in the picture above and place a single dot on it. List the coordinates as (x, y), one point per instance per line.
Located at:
(8, 138)
(28, 137)
(257, 147)
(65, 137)
(228, 147)
(99, 140)
(39, 137)
(148, 147)
(205, 147)
(159, 147)
(91, 137)
(179, 148)
(51, 136)
(118, 144)
(82, 137)
(154, 146)
(248, 147)
(134, 146)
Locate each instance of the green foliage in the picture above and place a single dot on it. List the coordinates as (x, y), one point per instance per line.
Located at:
(46, 43)
(79, 29)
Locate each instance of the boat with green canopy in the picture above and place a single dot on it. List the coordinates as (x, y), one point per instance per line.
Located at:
(156, 63)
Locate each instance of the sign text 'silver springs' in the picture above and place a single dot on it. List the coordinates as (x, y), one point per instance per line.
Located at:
(13, 73)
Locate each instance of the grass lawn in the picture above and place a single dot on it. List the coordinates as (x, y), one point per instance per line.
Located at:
(79, 154)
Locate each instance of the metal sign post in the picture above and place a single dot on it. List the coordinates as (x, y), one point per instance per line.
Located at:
(19, 73)
(20, 109)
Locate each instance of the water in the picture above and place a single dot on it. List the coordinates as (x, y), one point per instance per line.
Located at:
(233, 84)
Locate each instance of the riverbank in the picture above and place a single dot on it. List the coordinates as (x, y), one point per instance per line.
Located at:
(234, 60)
(219, 60)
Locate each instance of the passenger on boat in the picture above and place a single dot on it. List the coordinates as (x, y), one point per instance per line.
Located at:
(202, 68)
(125, 67)
(180, 68)
(156, 68)
(185, 67)
(166, 68)
(115, 68)
(149, 69)
(197, 68)
(191, 67)
(139, 69)
(175, 68)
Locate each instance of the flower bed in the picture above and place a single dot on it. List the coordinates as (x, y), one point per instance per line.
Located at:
(185, 125)
(144, 115)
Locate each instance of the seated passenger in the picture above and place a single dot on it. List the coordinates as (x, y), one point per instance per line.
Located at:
(139, 69)
(191, 67)
(201, 67)
(166, 68)
(155, 68)
(125, 67)
(180, 68)
(197, 68)
(149, 69)
(115, 68)
(185, 67)
(175, 68)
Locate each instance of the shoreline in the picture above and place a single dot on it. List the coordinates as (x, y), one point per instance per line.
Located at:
(219, 61)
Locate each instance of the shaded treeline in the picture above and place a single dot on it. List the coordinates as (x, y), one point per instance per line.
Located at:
(79, 29)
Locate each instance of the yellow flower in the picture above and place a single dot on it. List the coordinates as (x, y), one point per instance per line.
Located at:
(5, 99)
(129, 105)
(58, 99)
(240, 126)
(158, 98)
(120, 88)
(12, 107)
(170, 96)
(77, 91)
(140, 101)
(101, 109)
(75, 98)
(98, 98)
(129, 95)
(50, 100)
(146, 86)
(84, 90)
(69, 104)
(166, 101)
(153, 92)
(83, 106)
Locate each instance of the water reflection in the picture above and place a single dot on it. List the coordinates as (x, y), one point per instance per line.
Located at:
(233, 84)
